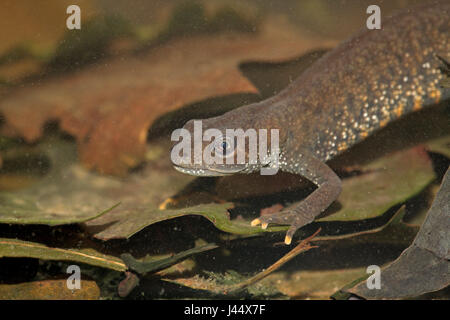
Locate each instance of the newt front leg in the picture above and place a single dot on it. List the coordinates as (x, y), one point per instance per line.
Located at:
(328, 189)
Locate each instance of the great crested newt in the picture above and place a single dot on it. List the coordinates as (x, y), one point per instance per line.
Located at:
(368, 81)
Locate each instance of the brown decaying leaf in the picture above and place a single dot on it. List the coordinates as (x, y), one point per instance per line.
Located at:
(127, 285)
(49, 290)
(110, 107)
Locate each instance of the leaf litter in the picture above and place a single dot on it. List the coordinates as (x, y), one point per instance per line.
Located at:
(98, 104)
(91, 198)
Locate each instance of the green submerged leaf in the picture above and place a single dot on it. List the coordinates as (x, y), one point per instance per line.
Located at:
(16, 210)
(386, 182)
(18, 248)
(440, 145)
(216, 213)
(154, 264)
(62, 197)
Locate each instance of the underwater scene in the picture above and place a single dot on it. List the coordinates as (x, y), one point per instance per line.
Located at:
(224, 150)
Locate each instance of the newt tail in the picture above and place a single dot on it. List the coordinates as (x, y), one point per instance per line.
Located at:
(368, 81)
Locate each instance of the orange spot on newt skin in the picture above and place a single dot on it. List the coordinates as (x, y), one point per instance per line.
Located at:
(342, 146)
(417, 103)
(384, 122)
(399, 110)
(364, 134)
(420, 91)
(436, 95)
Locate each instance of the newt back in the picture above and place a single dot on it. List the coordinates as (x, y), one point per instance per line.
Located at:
(368, 81)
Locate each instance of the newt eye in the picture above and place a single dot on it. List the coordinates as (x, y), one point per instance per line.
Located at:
(225, 147)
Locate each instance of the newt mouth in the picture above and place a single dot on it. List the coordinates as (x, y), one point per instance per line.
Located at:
(210, 172)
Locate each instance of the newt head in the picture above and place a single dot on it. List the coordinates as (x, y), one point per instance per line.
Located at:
(223, 145)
